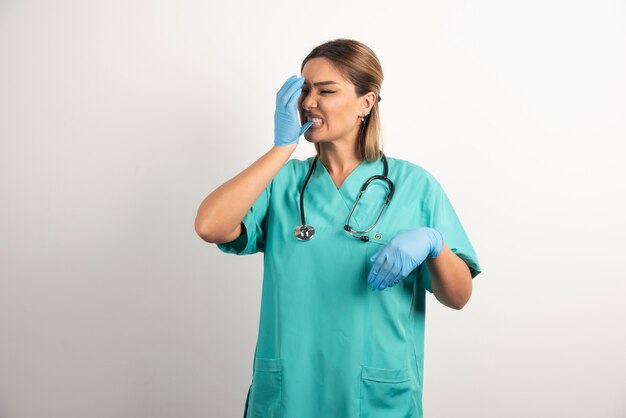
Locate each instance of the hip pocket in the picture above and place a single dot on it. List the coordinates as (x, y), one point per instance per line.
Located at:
(266, 390)
(386, 393)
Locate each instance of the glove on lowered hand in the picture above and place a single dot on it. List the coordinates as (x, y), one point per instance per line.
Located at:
(402, 254)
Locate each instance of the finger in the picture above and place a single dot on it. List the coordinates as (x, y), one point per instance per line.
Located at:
(371, 278)
(383, 281)
(394, 280)
(282, 96)
(305, 127)
(378, 262)
(293, 99)
(387, 273)
(396, 274)
(375, 256)
(285, 87)
(374, 277)
(292, 92)
(382, 274)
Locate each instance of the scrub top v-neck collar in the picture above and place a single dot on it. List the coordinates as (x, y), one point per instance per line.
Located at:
(351, 186)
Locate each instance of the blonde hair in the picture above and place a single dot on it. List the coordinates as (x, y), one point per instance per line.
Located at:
(361, 66)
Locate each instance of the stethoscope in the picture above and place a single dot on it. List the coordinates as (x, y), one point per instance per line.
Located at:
(305, 232)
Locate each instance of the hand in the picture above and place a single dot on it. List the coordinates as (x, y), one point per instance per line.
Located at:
(287, 129)
(402, 255)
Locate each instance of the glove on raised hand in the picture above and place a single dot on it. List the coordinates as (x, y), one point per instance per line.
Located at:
(402, 254)
(287, 129)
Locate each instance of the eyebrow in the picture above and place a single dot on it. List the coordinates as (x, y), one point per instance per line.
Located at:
(323, 83)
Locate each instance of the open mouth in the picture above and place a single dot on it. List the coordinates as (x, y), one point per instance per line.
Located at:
(317, 122)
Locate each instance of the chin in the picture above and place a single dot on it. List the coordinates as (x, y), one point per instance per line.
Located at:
(307, 136)
(315, 137)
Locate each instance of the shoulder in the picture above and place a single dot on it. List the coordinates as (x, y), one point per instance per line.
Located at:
(293, 170)
(412, 173)
(414, 182)
(295, 166)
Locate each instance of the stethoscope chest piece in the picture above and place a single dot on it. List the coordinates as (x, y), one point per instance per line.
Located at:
(304, 232)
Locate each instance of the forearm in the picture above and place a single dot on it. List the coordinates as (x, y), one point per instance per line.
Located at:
(221, 212)
(451, 279)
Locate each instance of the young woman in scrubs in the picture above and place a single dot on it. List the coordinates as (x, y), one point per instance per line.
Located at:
(342, 317)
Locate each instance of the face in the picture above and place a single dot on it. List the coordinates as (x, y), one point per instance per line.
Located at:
(329, 99)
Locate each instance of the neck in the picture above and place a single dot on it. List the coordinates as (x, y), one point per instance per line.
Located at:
(339, 159)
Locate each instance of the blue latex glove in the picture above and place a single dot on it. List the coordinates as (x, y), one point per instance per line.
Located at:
(402, 254)
(287, 129)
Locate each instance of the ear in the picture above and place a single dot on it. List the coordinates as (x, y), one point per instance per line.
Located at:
(367, 101)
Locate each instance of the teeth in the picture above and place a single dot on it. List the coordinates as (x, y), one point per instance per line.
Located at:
(316, 121)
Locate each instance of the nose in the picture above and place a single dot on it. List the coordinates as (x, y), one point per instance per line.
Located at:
(308, 101)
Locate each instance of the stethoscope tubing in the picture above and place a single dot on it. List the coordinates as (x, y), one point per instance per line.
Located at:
(304, 227)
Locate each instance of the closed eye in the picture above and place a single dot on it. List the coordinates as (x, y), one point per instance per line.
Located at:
(305, 91)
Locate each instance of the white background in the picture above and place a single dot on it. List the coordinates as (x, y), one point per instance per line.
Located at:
(117, 118)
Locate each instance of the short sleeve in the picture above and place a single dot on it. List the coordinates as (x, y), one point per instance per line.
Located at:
(253, 232)
(440, 215)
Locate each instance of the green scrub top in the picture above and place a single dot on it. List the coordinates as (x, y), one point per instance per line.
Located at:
(328, 345)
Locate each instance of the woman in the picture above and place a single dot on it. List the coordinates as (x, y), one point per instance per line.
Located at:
(342, 312)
